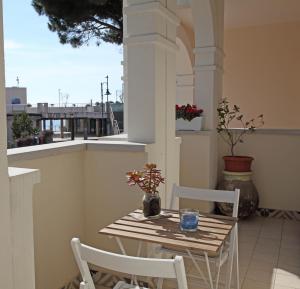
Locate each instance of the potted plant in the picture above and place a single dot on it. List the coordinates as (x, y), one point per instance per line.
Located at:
(227, 115)
(189, 117)
(148, 180)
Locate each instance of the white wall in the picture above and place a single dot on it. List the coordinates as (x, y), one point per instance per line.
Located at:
(5, 248)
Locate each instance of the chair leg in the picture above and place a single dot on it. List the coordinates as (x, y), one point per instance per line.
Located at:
(198, 267)
(230, 259)
(237, 258)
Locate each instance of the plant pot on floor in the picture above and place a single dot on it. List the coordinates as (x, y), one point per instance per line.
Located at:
(238, 163)
(249, 198)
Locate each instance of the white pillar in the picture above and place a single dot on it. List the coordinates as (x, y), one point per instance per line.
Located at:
(6, 276)
(208, 18)
(209, 29)
(21, 188)
(125, 73)
(150, 45)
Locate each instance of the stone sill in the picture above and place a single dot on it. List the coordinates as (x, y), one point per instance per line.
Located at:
(46, 150)
(271, 131)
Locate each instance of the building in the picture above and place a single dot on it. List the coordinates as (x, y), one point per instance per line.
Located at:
(16, 95)
(81, 185)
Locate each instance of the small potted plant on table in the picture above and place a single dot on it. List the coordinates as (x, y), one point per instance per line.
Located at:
(237, 173)
(189, 117)
(148, 180)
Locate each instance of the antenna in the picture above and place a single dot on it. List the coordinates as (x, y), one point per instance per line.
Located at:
(18, 81)
(107, 90)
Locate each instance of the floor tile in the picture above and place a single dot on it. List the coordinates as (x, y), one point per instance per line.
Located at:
(288, 280)
(252, 284)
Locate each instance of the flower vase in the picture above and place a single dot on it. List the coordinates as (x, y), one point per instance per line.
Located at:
(151, 205)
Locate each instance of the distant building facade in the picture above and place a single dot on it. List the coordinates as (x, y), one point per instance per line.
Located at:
(16, 95)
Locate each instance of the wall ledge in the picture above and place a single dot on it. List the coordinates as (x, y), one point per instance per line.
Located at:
(275, 131)
(22, 172)
(191, 132)
(40, 151)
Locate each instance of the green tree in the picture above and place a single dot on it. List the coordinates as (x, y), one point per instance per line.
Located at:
(22, 125)
(76, 22)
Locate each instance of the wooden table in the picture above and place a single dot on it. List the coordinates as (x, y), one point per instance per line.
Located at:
(212, 232)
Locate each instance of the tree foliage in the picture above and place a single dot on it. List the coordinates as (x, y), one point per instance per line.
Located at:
(76, 22)
(227, 115)
(22, 125)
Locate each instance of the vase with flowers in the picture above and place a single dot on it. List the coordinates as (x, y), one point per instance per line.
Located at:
(148, 181)
(189, 117)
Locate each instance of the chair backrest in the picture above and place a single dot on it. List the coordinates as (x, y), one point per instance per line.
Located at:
(207, 195)
(160, 268)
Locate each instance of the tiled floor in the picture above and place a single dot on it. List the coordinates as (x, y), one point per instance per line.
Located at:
(269, 254)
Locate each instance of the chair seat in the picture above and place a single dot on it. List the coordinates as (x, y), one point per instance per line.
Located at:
(124, 285)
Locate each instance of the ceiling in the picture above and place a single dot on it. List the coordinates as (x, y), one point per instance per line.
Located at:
(241, 13)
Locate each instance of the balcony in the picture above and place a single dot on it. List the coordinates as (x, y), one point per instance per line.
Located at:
(58, 191)
(83, 189)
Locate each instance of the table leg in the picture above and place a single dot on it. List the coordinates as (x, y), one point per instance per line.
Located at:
(219, 268)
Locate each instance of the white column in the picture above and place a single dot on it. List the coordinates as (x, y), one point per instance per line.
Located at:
(208, 18)
(6, 276)
(21, 188)
(185, 88)
(150, 44)
(125, 73)
(209, 30)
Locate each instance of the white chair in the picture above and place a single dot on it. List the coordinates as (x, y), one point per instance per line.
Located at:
(161, 268)
(231, 247)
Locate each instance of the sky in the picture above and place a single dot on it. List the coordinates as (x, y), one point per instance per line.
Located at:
(33, 53)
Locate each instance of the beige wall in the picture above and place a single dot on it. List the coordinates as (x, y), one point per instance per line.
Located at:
(107, 195)
(58, 216)
(195, 164)
(276, 168)
(262, 68)
(80, 192)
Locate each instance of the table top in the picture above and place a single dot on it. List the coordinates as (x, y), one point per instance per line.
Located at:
(212, 231)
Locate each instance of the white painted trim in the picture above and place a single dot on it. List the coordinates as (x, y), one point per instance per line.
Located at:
(275, 131)
(208, 68)
(156, 7)
(40, 151)
(153, 38)
(209, 49)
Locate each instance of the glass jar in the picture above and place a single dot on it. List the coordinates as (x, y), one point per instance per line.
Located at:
(189, 220)
(151, 205)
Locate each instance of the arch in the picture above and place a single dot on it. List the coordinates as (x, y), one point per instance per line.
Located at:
(184, 74)
(187, 41)
(203, 17)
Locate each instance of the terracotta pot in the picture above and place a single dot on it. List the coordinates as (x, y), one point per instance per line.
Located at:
(238, 163)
